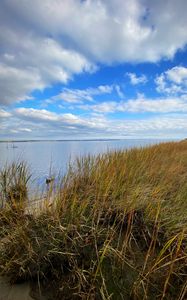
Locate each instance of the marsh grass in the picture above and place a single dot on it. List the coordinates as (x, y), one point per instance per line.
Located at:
(13, 184)
(116, 229)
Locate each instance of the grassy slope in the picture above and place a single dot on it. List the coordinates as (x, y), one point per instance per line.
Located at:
(117, 229)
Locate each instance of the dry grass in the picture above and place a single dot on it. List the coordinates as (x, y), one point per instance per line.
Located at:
(117, 229)
(13, 184)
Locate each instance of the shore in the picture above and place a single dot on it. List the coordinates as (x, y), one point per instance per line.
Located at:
(116, 228)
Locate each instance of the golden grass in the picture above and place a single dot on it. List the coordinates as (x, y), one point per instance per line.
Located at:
(117, 229)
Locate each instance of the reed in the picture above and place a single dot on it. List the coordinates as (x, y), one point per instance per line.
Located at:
(116, 229)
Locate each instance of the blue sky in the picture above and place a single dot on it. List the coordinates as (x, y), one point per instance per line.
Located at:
(72, 69)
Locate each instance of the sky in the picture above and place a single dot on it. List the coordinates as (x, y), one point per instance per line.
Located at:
(91, 69)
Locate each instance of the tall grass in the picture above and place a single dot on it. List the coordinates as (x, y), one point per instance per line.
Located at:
(116, 229)
(14, 179)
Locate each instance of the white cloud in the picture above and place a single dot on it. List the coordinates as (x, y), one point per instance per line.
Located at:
(162, 106)
(36, 114)
(141, 105)
(173, 81)
(16, 84)
(112, 30)
(177, 74)
(49, 118)
(134, 79)
(21, 130)
(103, 107)
(78, 96)
(39, 62)
(23, 124)
(4, 114)
(119, 91)
(26, 129)
(51, 42)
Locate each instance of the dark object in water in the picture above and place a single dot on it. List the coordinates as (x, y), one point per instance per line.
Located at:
(49, 180)
(14, 146)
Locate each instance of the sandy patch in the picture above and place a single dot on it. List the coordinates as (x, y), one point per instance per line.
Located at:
(14, 291)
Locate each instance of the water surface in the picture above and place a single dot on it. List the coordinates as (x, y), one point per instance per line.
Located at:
(46, 158)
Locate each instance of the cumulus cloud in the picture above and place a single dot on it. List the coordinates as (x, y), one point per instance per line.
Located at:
(47, 42)
(134, 79)
(38, 62)
(108, 30)
(177, 74)
(23, 124)
(78, 96)
(16, 84)
(141, 105)
(36, 114)
(53, 119)
(162, 106)
(172, 81)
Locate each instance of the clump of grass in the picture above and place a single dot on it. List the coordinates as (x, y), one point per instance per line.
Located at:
(14, 183)
(117, 229)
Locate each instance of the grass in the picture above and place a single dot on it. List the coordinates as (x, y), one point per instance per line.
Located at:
(13, 184)
(116, 229)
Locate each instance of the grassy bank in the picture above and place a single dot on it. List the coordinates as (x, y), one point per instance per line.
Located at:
(117, 228)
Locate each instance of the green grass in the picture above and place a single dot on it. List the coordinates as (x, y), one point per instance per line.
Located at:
(116, 229)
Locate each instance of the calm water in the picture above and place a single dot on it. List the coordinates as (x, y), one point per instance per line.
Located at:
(45, 158)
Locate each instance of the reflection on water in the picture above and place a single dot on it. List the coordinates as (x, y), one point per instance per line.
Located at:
(52, 157)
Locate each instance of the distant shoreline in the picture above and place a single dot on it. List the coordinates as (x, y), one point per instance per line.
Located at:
(86, 140)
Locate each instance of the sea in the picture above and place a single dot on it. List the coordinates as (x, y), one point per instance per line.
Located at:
(50, 158)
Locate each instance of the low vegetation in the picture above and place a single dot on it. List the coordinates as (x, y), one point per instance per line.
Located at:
(13, 184)
(116, 229)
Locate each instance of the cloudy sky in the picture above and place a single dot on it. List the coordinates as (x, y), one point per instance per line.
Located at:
(72, 69)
